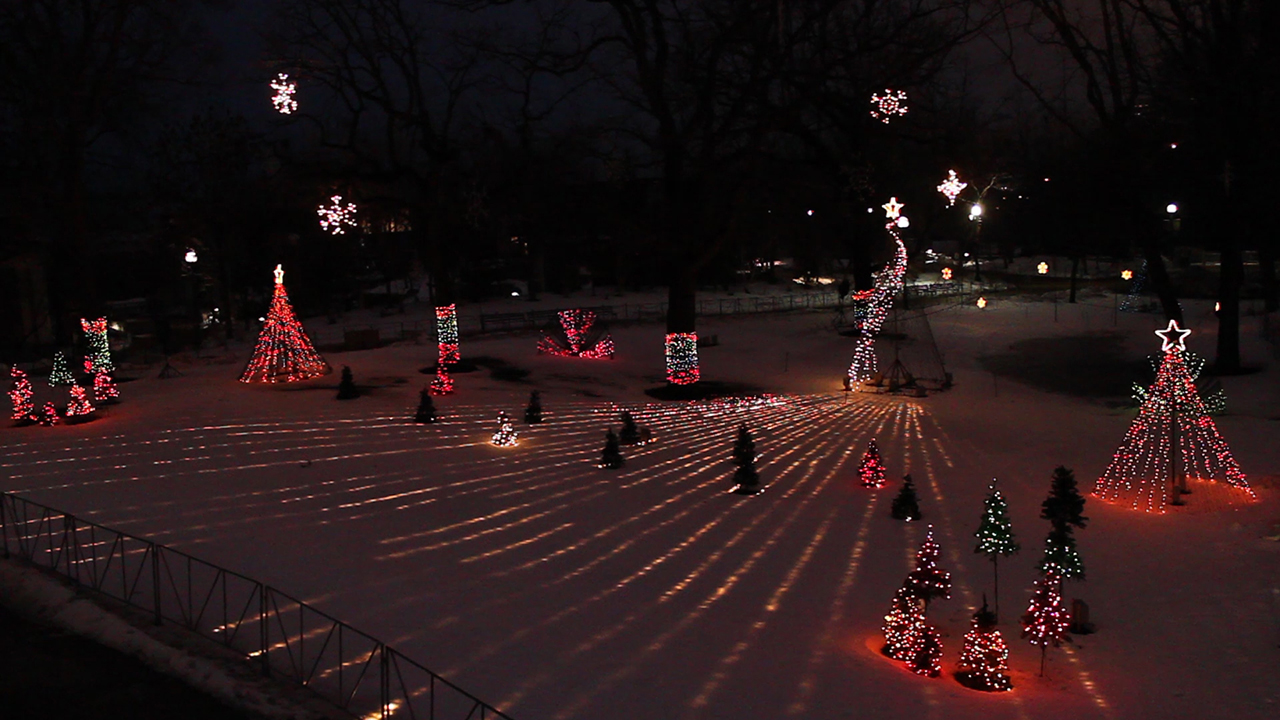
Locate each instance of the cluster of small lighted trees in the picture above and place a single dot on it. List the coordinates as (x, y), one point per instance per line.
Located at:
(80, 406)
(983, 661)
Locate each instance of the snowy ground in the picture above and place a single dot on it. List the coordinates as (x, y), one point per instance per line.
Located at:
(557, 590)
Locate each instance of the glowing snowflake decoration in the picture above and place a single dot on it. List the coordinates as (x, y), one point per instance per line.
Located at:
(336, 217)
(952, 187)
(1043, 268)
(1126, 275)
(885, 107)
(283, 100)
(946, 273)
(982, 303)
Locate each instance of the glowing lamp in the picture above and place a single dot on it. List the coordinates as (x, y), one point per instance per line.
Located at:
(1171, 208)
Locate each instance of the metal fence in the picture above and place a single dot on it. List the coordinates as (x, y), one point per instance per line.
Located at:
(284, 636)
(481, 323)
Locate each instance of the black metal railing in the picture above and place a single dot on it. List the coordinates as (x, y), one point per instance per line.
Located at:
(284, 636)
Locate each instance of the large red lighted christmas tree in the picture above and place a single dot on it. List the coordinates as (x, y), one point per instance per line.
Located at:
(1171, 442)
(284, 352)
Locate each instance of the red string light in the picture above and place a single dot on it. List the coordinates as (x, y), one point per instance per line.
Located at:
(871, 471)
(20, 394)
(99, 355)
(447, 335)
(984, 659)
(79, 407)
(284, 352)
(442, 384)
(872, 309)
(1172, 425)
(104, 388)
(577, 326)
(682, 358)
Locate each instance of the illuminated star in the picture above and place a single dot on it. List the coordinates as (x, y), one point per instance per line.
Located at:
(1126, 275)
(946, 273)
(1043, 268)
(279, 273)
(893, 208)
(1169, 342)
(982, 303)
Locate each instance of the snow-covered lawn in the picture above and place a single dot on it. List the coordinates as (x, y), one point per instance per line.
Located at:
(555, 590)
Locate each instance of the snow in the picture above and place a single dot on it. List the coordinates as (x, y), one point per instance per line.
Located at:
(556, 590)
(33, 594)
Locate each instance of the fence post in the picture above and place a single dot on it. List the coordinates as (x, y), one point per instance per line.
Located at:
(155, 582)
(386, 682)
(4, 524)
(264, 630)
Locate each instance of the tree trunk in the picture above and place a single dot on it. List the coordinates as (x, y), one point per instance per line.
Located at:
(1158, 276)
(682, 301)
(1232, 276)
(1075, 275)
(1270, 286)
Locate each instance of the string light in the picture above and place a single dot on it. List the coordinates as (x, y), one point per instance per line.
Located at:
(48, 416)
(104, 388)
(871, 471)
(871, 308)
(928, 581)
(1135, 289)
(506, 435)
(447, 335)
(442, 384)
(577, 326)
(926, 656)
(99, 355)
(1045, 622)
(20, 394)
(952, 187)
(681, 350)
(984, 659)
(60, 374)
(79, 407)
(893, 103)
(1143, 468)
(284, 353)
(336, 217)
(283, 101)
(903, 625)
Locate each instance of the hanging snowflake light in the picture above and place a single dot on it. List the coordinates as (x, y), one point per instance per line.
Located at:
(1126, 274)
(285, 89)
(891, 103)
(982, 303)
(336, 217)
(946, 273)
(1043, 268)
(952, 187)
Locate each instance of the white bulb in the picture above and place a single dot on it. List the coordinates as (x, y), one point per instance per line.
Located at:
(1171, 208)
(903, 222)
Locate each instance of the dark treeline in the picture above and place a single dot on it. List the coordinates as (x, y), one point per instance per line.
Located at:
(628, 142)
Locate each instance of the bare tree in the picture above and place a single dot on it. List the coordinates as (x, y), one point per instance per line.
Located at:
(395, 78)
(75, 77)
(1101, 98)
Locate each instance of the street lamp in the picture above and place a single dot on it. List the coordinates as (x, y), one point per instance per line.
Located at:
(1171, 208)
(975, 211)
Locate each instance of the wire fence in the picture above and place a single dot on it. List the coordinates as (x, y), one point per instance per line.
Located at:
(388, 330)
(285, 637)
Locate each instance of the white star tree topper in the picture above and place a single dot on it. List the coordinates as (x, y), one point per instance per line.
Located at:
(1168, 339)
